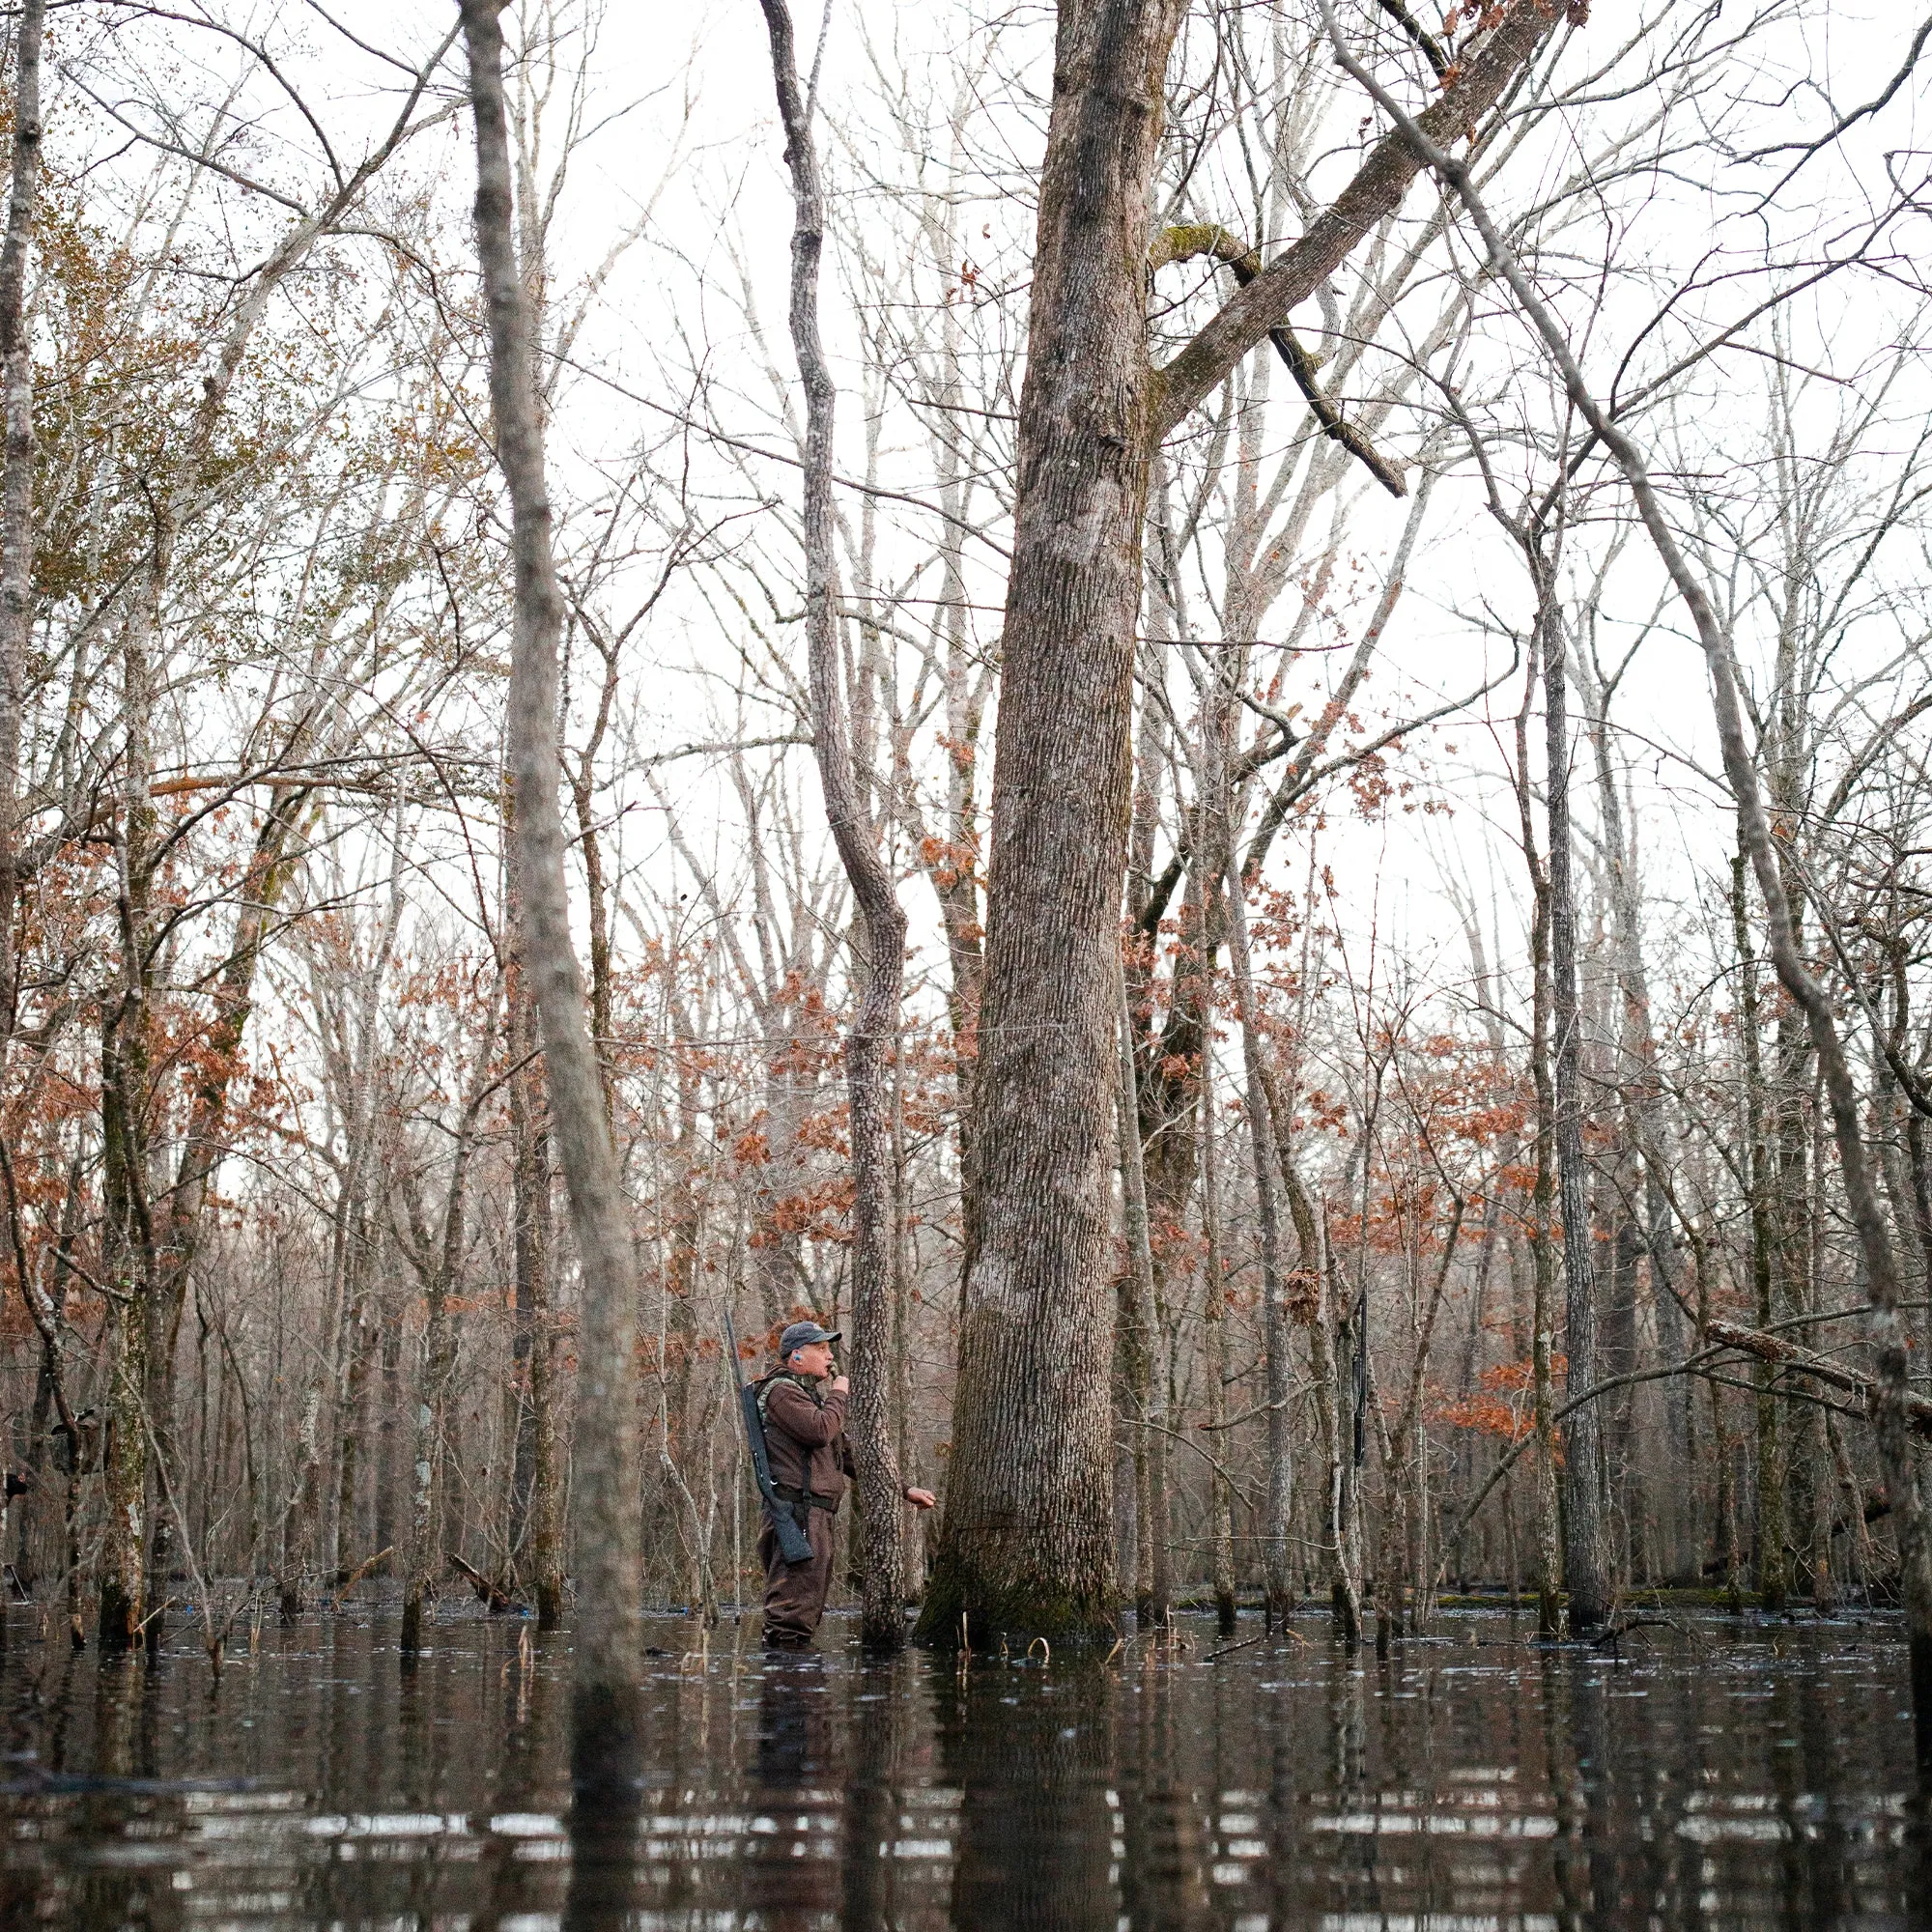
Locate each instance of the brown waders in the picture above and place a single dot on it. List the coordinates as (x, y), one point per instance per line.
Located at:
(795, 1593)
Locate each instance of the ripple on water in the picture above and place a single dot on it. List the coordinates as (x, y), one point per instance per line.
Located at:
(1712, 1775)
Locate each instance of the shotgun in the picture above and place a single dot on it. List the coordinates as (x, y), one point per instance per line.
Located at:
(794, 1546)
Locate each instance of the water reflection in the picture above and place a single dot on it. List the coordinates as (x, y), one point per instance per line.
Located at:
(1715, 1776)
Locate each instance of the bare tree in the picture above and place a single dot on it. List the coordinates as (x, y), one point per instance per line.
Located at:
(1024, 1543)
(604, 1690)
(869, 1046)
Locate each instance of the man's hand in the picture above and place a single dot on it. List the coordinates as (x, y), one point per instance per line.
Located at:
(922, 1499)
(840, 1385)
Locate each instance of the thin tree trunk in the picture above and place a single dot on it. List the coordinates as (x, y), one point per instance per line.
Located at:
(536, 1504)
(443, 1271)
(1275, 1524)
(604, 1690)
(1214, 1311)
(16, 481)
(1585, 1565)
(1343, 1422)
(1757, 1182)
(1549, 1554)
(1344, 1608)
(1149, 1393)
(298, 1519)
(905, 1432)
(868, 1046)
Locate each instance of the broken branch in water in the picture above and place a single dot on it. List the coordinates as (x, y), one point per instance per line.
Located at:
(487, 1590)
(360, 1570)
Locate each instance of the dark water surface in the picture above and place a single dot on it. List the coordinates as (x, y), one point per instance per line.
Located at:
(1714, 1775)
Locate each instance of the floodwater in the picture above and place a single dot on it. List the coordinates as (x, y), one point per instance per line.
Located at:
(1710, 1773)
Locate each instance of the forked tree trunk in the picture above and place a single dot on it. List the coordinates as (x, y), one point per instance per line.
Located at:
(869, 1046)
(1027, 1541)
(604, 1692)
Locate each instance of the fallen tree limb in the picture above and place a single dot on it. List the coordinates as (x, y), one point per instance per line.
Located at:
(360, 1570)
(1718, 1336)
(487, 1591)
(1765, 1347)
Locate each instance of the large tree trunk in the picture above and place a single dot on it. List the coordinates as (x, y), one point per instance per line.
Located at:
(1026, 1545)
(1027, 1541)
(869, 1046)
(604, 1692)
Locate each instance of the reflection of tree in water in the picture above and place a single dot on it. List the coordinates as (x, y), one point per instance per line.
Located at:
(126, 1699)
(1032, 1754)
(798, 1776)
(607, 1761)
(521, 1887)
(1164, 1872)
(1769, 1772)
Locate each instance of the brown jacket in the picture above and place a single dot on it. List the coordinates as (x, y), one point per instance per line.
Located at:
(805, 1434)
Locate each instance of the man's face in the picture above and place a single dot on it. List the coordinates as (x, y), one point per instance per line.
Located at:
(814, 1359)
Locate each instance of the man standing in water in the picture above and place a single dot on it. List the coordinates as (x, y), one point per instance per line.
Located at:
(802, 1404)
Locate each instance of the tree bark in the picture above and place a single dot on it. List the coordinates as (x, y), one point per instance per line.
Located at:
(1149, 1385)
(443, 1271)
(605, 1689)
(868, 1046)
(537, 1503)
(1214, 1312)
(1770, 1565)
(1262, 1136)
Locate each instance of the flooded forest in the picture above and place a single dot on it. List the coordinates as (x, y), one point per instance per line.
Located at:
(1211, 719)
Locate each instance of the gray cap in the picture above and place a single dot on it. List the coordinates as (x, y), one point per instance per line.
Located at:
(801, 1335)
